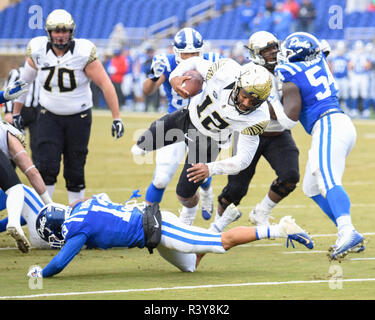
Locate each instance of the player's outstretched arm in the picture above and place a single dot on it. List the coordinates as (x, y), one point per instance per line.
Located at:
(71, 248)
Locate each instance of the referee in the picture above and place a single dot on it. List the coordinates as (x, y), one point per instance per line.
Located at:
(30, 112)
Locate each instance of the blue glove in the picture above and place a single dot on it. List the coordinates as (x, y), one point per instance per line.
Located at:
(117, 128)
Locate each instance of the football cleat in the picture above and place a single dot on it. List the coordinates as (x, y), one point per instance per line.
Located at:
(21, 241)
(231, 213)
(292, 231)
(207, 203)
(347, 242)
(260, 217)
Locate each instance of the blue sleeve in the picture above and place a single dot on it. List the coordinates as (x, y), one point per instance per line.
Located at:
(2, 99)
(66, 254)
(4, 222)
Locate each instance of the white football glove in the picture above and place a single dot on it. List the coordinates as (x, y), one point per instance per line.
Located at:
(35, 272)
(159, 64)
(15, 90)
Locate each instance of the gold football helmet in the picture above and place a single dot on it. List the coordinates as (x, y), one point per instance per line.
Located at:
(256, 83)
(60, 19)
(258, 42)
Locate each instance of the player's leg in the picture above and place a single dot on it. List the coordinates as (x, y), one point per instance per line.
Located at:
(11, 185)
(167, 161)
(168, 129)
(333, 139)
(77, 138)
(50, 144)
(282, 154)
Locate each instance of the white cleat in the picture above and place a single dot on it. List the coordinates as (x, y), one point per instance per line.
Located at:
(348, 241)
(20, 238)
(231, 213)
(260, 217)
(207, 202)
(292, 231)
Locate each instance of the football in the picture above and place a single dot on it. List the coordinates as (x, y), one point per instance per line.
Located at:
(193, 85)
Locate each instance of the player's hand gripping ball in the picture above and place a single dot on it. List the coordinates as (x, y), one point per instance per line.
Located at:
(193, 85)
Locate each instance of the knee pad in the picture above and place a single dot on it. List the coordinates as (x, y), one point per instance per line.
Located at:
(282, 188)
(161, 180)
(49, 170)
(234, 194)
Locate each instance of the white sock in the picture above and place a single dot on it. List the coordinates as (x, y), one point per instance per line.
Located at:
(267, 232)
(344, 221)
(14, 205)
(187, 215)
(74, 196)
(51, 189)
(267, 204)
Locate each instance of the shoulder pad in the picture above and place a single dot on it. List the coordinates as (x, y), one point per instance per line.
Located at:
(256, 129)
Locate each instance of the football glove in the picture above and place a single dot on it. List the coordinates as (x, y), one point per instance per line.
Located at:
(117, 128)
(158, 66)
(18, 122)
(14, 90)
(35, 272)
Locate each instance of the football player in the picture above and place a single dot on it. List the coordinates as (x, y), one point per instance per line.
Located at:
(13, 149)
(310, 96)
(187, 43)
(65, 66)
(276, 143)
(98, 222)
(233, 99)
(13, 91)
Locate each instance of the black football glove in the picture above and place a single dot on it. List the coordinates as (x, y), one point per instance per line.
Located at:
(117, 128)
(18, 122)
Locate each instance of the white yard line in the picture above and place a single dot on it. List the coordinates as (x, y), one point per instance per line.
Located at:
(225, 285)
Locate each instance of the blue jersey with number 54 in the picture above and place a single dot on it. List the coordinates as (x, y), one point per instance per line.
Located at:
(317, 88)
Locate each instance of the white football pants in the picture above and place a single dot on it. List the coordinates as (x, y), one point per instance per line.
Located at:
(333, 137)
(168, 159)
(180, 242)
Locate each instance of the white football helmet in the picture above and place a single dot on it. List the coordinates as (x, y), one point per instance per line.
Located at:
(256, 83)
(258, 42)
(187, 40)
(60, 19)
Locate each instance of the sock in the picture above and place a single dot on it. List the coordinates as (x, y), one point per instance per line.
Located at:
(339, 203)
(154, 194)
(344, 221)
(267, 204)
(206, 183)
(50, 189)
(74, 196)
(14, 204)
(187, 215)
(267, 232)
(324, 205)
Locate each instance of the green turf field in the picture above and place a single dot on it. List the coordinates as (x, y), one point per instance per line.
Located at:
(261, 270)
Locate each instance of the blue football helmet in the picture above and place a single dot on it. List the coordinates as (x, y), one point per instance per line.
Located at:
(187, 40)
(49, 222)
(300, 46)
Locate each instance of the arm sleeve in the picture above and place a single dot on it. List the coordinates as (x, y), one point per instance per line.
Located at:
(66, 254)
(28, 74)
(282, 118)
(193, 63)
(247, 146)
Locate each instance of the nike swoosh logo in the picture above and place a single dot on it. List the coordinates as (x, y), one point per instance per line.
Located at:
(156, 225)
(84, 115)
(304, 238)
